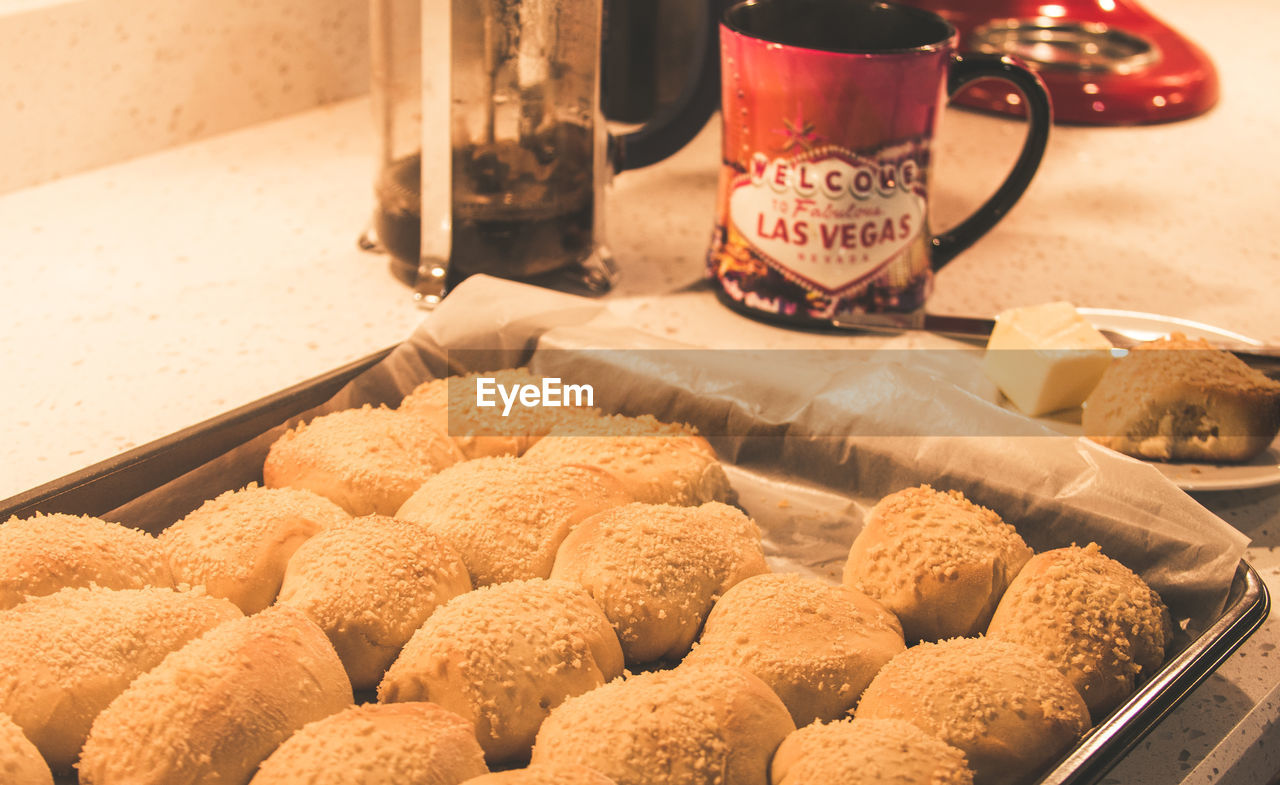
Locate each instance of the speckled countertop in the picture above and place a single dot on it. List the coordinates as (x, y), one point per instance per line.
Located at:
(149, 295)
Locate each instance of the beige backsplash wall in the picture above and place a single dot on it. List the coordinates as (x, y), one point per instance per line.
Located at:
(85, 83)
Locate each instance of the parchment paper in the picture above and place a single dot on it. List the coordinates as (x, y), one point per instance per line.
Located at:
(810, 443)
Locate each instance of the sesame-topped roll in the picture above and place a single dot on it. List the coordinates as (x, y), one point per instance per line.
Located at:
(378, 744)
(937, 560)
(1007, 708)
(1089, 615)
(507, 517)
(369, 583)
(211, 711)
(20, 762)
(367, 460)
(238, 544)
(867, 752)
(64, 657)
(702, 724)
(816, 645)
(656, 462)
(656, 569)
(44, 553)
(503, 656)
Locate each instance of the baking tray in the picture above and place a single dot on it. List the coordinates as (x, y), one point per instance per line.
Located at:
(112, 483)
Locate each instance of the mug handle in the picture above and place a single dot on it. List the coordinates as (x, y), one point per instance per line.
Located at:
(676, 124)
(969, 68)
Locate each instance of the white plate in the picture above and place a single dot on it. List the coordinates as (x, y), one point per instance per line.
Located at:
(1262, 471)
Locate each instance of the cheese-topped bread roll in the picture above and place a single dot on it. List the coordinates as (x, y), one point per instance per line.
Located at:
(816, 645)
(694, 725)
(20, 762)
(65, 656)
(1179, 399)
(937, 560)
(544, 774)
(1007, 708)
(656, 569)
(377, 744)
(367, 460)
(44, 553)
(211, 711)
(238, 544)
(370, 583)
(1089, 615)
(867, 752)
(657, 462)
(471, 409)
(507, 517)
(503, 656)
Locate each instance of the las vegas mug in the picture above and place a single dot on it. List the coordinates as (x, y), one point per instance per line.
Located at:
(829, 110)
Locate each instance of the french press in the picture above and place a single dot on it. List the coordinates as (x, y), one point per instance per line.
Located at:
(494, 152)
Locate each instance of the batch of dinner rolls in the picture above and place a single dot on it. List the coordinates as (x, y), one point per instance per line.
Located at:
(571, 598)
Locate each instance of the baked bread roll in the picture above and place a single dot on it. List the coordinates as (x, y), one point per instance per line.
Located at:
(20, 762)
(1008, 709)
(867, 752)
(238, 544)
(694, 725)
(369, 583)
(376, 744)
(937, 560)
(503, 656)
(816, 645)
(507, 517)
(657, 569)
(1178, 399)
(452, 406)
(367, 460)
(211, 711)
(44, 553)
(544, 774)
(1089, 615)
(656, 462)
(65, 656)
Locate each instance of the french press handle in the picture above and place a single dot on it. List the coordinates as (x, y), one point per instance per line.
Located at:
(675, 125)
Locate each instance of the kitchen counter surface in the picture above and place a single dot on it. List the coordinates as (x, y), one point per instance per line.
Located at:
(152, 294)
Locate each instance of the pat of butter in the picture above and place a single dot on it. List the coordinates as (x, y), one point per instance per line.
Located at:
(1045, 357)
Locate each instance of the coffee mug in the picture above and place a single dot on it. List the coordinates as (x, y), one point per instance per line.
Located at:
(829, 110)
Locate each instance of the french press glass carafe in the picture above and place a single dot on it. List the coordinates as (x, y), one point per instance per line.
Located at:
(494, 152)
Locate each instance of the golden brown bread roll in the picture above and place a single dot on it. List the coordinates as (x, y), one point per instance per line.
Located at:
(657, 462)
(211, 711)
(936, 559)
(238, 544)
(503, 656)
(1089, 615)
(376, 744)
(370, 583)
(1008, 709)
(867, 752)
(44, 553)
(367, 460)
(816, 645)
(451, 406)
(66, 656)
(1179, 399)
(507, 517)
(657, 569)
(694, 725)
(544, 774)
(20, 761)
